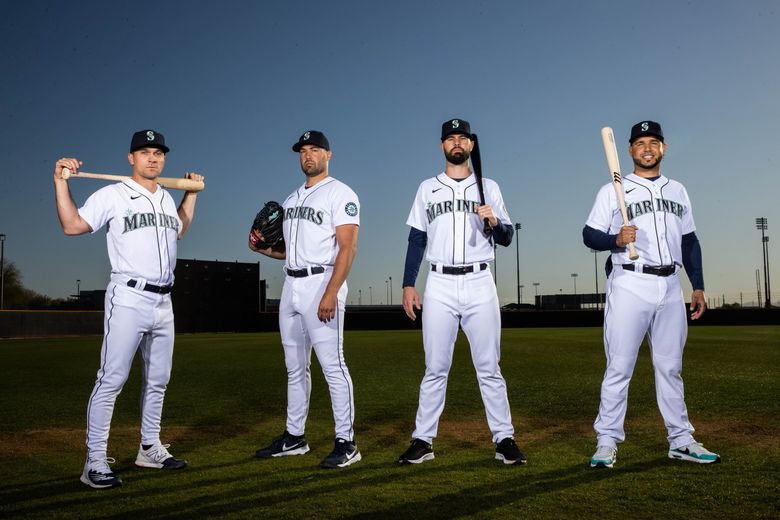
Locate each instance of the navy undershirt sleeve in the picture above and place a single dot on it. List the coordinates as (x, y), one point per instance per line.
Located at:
(503, 233)
(414, 254)
(598, 240)
(692, 261)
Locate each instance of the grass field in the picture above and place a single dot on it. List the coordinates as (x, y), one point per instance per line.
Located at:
(227, 398)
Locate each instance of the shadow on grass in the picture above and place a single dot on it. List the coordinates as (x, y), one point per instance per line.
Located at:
(248, 491)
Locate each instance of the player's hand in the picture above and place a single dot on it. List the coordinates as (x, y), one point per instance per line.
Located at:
(66, 162)
(255, 238)
(327, 309)
(411, 301)
(698, 304)
(626, 236)
(485, 211)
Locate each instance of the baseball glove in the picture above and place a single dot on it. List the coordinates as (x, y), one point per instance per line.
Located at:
(268, 224)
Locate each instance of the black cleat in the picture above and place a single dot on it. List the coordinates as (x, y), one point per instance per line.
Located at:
(417, 453)
(284, 446)
(508, 452)
(344, 454)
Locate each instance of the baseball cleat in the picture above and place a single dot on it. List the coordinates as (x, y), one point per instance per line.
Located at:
(508, 452)
(157, 456)
(694, 452)
(283, 446)
(604, 457)
(417, 453)
(344, 453)
(98, 475)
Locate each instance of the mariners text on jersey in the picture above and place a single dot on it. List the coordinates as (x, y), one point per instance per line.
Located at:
(134, 221)
(449, 206)
(635, 209)
(304, 212)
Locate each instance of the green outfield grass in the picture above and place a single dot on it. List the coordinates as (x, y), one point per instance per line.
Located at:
(227, 398)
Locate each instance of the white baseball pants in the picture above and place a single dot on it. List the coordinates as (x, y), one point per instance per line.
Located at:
(470, 301)
(134, 320)
(637, 305)
(302, 331)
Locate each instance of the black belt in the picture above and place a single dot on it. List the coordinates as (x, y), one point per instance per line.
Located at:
(460, 269)
(661, 270)
(159, 289)
(300, 273)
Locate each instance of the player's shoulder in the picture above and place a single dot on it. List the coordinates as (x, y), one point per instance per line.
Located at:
(431, 181)
(335, 185)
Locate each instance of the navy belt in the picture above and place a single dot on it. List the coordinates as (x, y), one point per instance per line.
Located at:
(459, 269)
(159, 289)
(660, 270)
(300, 273)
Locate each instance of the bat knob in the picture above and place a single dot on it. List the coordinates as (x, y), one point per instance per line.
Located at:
(66, 173)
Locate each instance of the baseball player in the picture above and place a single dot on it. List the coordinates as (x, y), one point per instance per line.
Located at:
(447, 218)
(320, 227)
(644, 297)
(143, 225)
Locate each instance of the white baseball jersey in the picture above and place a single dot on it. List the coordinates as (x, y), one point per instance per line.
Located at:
(446, 210)
(660, 209)
(314, 213)
(142, 234)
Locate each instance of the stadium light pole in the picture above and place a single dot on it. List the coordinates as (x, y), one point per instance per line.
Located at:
(360, 296)
(518, 227)
(521, 293)
(391, 289)
(78, 290)
(387, 292)
(761, 223)
(2, 269)
(370, 296)
(574, 277)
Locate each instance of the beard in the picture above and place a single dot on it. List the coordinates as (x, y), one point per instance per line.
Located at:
(638, 163)
(457, 158)
(314, 169)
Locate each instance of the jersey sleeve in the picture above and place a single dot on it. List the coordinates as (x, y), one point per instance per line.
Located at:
(688, 226)
(417, 218)
(346, 207)
(96, 211)
(600, 217)
(496, 200)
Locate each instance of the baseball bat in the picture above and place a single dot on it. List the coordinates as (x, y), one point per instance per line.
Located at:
(610, 150)
(166, 182)
(476, 161)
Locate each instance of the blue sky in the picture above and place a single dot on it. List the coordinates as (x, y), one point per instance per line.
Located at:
(233, 84)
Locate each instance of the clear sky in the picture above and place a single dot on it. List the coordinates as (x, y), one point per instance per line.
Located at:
(233, 84)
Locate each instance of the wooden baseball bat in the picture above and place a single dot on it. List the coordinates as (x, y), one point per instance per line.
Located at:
(610, 150)
(166, 182)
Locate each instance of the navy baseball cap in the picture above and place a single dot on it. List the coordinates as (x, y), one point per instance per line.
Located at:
(148, 139)
(312, 137)
(646, 128)
(456, 126)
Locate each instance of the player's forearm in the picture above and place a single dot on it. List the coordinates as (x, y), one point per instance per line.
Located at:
(503, 233)
(278, 251)
(186, 211)
(341, 268)
(598, 240)
(71, 221)
(414, 254)
(692, 260)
